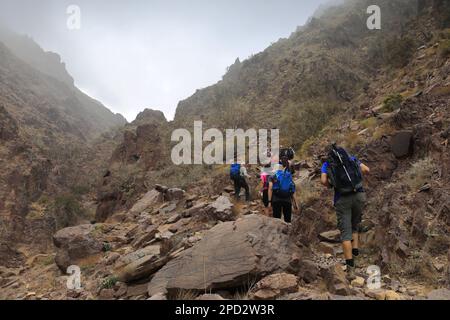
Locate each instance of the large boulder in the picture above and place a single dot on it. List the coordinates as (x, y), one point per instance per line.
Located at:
(229, 256)
(402, 144)
(77, 243)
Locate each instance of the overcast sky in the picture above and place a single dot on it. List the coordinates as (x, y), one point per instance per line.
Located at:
(137, 54)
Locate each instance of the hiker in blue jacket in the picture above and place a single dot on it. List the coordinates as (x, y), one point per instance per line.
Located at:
(281, 191)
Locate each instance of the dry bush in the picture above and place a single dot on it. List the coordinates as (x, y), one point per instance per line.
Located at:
(351, 140)
(245, 292)
(186, 295)
(419, 174)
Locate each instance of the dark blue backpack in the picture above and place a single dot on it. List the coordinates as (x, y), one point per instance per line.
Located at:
(283, 185)
(344, 171)
(235, 171)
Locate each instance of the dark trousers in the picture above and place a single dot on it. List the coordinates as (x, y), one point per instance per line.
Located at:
(282, 207)
(238, 184)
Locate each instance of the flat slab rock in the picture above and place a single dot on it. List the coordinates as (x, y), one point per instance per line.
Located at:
(151, 198)
(333, 236)
(228, 256)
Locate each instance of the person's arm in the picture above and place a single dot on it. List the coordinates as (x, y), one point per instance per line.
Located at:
(270, 193)
(324, 180)
(324, 176)
(364, 169)
(261, 185)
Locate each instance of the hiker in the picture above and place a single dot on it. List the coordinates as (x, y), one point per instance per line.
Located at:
(281, 191)
(344, 173)
(289, 153)
(238, 173)
(264, 187)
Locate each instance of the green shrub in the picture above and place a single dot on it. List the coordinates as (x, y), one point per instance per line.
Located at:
(109, 282)
(392, 102)
(107, 247)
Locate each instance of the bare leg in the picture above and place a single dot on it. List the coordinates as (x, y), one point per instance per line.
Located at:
(347, 247)
(355, 240)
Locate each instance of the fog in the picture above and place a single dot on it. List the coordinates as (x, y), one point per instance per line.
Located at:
(138, 54)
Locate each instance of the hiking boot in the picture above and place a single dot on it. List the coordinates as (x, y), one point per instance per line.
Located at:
(350, 273)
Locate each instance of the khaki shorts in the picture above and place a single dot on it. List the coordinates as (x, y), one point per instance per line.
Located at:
(349, 211)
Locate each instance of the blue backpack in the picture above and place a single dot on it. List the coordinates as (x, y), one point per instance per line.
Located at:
(283, 186)
(235, 171)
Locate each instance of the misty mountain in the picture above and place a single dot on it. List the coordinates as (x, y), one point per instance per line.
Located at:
(47, 128)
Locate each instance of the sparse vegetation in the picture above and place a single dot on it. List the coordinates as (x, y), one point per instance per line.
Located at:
(109, 282)
(397, 52)
(186, 295)
(303, 121)
(244, 293)
(107, 247)
(369, 123)
(419, 174)
(392, 102)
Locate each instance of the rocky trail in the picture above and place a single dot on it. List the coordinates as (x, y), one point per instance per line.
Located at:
(201, 244)
(71, 198)
(175, 245)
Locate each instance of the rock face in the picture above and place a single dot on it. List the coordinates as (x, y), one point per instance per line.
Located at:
(402, 144)
(75, 243)
(275, 285)
(228, 256)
